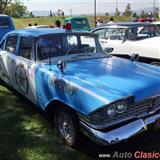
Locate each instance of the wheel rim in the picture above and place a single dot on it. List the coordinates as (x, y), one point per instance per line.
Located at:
(66, 127)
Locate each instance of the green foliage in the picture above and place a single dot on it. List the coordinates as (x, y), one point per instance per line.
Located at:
(107, 14)
(156, 12)
(128, 11)
(3, 5)
(16, 9)
(117, 12)
(143, 14)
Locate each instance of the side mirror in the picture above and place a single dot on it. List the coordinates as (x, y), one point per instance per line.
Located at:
(108, 50)
(61, 66)
(134, 57)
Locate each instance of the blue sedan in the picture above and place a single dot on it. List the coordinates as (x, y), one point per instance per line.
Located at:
(84, 89)
(6, 25)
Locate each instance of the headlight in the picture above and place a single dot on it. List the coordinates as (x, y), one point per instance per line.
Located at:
(111, 111)
(101, 116)
(109, 114)
(121, 107)
(117, 107)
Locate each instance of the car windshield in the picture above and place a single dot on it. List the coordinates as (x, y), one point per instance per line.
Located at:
(115, 33)
(76, 46)
(80, 23)
(134, 33)
(146, 31)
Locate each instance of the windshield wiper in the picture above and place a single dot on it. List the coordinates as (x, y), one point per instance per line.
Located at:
(69, 50)
(83, 55)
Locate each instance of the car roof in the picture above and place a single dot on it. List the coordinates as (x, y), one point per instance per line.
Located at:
(125, 24)
(36, 32)
(74, 17)
(157, 22)
(4, 15)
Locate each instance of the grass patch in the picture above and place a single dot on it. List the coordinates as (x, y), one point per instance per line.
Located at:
(23, 22)
(26, 135)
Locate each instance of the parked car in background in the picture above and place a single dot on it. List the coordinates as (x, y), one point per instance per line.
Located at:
(69, 76)
(38, 26)
(78, 23)
(6, 25)
(128, 38)
(146, 19)
(157, 23)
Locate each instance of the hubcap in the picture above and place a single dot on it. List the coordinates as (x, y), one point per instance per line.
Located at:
(66, 127)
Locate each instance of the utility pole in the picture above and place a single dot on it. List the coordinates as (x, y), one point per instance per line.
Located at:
(116, 4)
(70, 12)
(95, 14)
(154, 7)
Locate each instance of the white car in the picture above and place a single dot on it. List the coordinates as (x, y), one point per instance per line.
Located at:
(125, 39)
(38, 26)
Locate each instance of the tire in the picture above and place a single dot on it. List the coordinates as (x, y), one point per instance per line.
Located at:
(66, 123)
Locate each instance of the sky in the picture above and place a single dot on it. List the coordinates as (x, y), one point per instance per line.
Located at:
(87, 6)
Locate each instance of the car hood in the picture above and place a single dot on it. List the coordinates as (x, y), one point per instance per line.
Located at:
(114, 78)
(89, 84)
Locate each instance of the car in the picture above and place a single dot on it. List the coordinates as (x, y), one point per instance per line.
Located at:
(130, 38)
(157, 23)
(6, 25)
(78, 23)
(68, 75)
(146, 19)
(38, 26)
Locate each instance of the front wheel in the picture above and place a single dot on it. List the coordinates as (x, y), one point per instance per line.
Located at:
(67, 126)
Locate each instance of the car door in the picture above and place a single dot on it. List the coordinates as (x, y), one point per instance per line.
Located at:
(22, 68)
(8, 53)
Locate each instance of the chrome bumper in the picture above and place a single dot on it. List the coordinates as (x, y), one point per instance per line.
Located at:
(119, 134)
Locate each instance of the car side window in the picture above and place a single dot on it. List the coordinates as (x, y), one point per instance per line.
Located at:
(25, 49)
(100, 33)
(4, 23)
(11, 44)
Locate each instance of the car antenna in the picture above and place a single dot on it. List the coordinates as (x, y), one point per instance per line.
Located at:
(50, 61)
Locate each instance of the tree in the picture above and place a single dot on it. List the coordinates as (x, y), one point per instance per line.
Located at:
(143, 14)
(31, 14)
(16, 9)
(3, 5)
(50, 13)
(117, 12)
(107, 14)
(128, 11)
(156, 12)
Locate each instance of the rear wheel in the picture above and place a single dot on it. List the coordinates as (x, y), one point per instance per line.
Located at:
(67, 126)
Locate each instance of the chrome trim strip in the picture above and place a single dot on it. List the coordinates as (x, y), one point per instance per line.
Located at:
(118, 134)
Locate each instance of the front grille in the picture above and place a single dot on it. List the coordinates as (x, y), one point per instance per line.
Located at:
(155, 104)
(138, 110)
